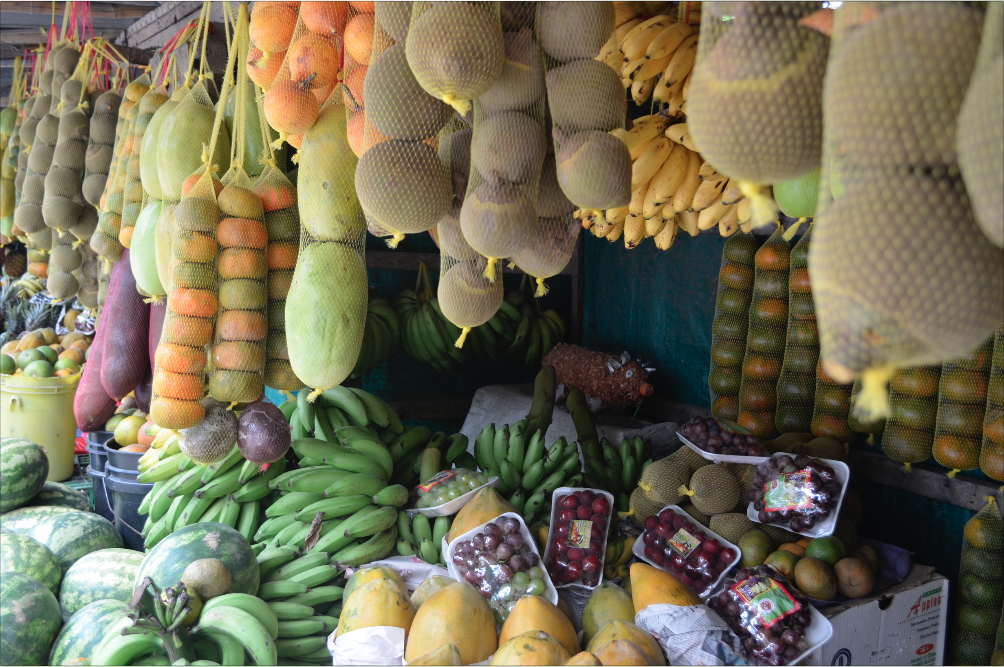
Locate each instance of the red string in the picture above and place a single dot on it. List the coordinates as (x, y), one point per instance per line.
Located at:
(48, 44)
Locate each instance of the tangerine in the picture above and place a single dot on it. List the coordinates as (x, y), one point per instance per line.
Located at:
(359, 38)
(245, 325)
(180, 358)
(282, 255)
(324, 18)
(352, 91)
(241, 233)
(177, 385)
(290, 107)
(773, 257)
(193, 302)
(276, 195)
(242, 263)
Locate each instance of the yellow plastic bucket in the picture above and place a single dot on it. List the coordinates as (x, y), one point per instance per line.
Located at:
(41, 410)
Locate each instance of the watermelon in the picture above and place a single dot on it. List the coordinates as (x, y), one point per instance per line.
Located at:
(166, 562)
(24, 519)
(54, 494)
(23, 469)
(100, 575)
(29, 620)
(73, 535)
(20, 553)
(80, 636)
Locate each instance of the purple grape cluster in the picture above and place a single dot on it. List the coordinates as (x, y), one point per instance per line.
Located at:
(825, 491)
(708, 435)
(698, 569)
(778, 644)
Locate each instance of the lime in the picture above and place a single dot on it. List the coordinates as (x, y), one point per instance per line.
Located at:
(68, 364)
(39, 369)
(50, 354)
(7, 364)
(28, 356)
(827, 549)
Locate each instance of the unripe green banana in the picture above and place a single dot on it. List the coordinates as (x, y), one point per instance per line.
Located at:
(243, 627)
(429, 464)
(294, 567)
(302, 628)
(533, 476)
(394, 495)
(534, 452)
(315, 480)
(292, 502)
(500, 446)
(250, 604)
(290, 611)
(337, 539)
(376, 547)
(247, 521)
(515, 451)
(554, 456)
(440, 528)
(333, 508)
(421, 527)
(281, 589)
(272, 558)
(316, 576)
(291, 648)
(510, 473)
(456, 445)
(318, 596)
(366, 484)
(404, 527)
(271, 527)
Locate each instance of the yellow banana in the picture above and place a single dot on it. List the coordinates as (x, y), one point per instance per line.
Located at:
(637, 41)
(707, 171)
(681, 135)
(610, 54)
(637, 204)
(628, 66)
(644, 130)
(676, 102)
(655, 225)
(668, 41)
(650, 207)
(728, 224)
(744, 212)
(667, 180)
(622, 31)
(642, 90)
(648, 163)
(634, 231)
(615, 232)
(688, 222)
(709, 190)
(665, 238)
(667, 210)
(682, 61)
(616, 214)
(626, 554)
(686, 85)
(663, 93)
(624, 12)
(732, 192)
(601, 228)
(710, 216)
(647, 69)
(746, 228)
(685, 193)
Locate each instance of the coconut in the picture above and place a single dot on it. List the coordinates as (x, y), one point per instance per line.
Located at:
(394, 18)
(508, 146)
(594, 170)
(574, 30)
(263, 433)
(549, 250)
(602, 109)
(467, 298)
(497, 219)
(65, 59)
(403, 182)
(62, 285)
(522, 80)
(65, 258)
(395, 102)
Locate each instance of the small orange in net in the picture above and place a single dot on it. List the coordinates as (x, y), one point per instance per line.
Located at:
(177, 385)
(236, 355)
(241, 233)
(276, 195)
(353, 97)
(314, 58)
(180, 358)
(282, 255)
(356, 127)
(246, 325)
(359, 38)
(194, 178)
(175, 413)
(290, 107)
(324, 18)
(193, 302)
(181, 330)
(278, 284)
(262, 70)
(242, 263)
(125, 236)
(194, 247)
(272, 25)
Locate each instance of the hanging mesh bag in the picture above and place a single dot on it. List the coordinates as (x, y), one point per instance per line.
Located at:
(28, 214)
(992, 450)
(125, 358)
(549, 250)
(980, 139)
(101, 143)
(890, 182)
(962, 402)
(731, 325)
(832, 405)
(796, 385)
(981, 582)
(181, 144)
(133, 192)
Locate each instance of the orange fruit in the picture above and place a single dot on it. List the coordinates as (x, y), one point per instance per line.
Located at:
(324, 18)
(125, 236)
(282, 255)
(290, 107)
(193, 302)
(272, 25)
(134, 448)
(177, 385)
(359, 38)
(64, 372)
(242, 263)
(180, 358)
(353, 97)
(313, 58)
(175, 414)
(239, 356)
(242, 325)
(263, 70)
(278, 284)
(241, 233)
(74, 353)
(194, 247)
(276, 195)
(181, 330)
(773, 257)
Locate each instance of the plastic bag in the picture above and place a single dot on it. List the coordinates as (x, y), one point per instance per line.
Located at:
(798, 490)
(981, 580)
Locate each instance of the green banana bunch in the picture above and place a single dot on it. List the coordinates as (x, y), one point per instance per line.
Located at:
(621, 469)
(423, 536)
(536, 330)
(381, 332)
(340, 408)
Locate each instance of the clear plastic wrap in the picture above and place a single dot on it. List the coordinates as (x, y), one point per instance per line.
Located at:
(804, 492)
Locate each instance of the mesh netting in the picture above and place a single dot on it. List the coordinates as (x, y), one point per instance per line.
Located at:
(754, 108)
(765, 338)
(731, 325)
(913, 407)
(182, 142)
(125, 360)
(133, 192)
(101, 143)
(63, 260)
(981, 588)
(832, 405)
(796, 386)
(897, 307)
(992, 450)
(28, 214)
(962, 401)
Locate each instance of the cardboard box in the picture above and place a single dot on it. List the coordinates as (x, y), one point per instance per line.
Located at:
(905, 624)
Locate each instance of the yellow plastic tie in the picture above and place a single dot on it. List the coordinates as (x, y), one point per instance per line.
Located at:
(312, 396)
(277, 144)
(951, 473)
(232, 404)
(463, 337)
(511, 265)
(296, 158)
(290, 396)
(790, 233)
(644, 486)
(461, 106)
(542, 289)
(489, 271)
(394, 240)
(907, 467)
(685, 491)
(763, 209)
(873, 401)
(625, 515)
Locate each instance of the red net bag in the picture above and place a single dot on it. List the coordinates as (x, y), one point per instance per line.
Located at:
(125, 358)
(92, 406)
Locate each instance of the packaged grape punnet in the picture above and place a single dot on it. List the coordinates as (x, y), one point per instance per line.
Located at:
(722, 441)
(577, 541)
(500, 559)
(440, 487)
(697, 556)
(774, 620)
(800, 493)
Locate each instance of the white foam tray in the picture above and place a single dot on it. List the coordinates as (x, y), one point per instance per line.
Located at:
(555, 510)
(455, 505)
(722, 458)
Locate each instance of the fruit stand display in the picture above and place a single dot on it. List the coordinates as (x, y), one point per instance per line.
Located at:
(191, 297)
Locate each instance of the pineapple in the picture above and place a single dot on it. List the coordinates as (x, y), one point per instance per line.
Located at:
(15, 261)
(37, 316)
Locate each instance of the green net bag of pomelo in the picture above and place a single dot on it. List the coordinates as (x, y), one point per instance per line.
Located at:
(796, 385)
(992, 449)
(765, 338)
(895, 284)
(980, 139)
(980, 588)
(962, 402)
(908, 436)
(754, 108)
(831, 407)
(731, 325)
(238, 357)
(593, 166)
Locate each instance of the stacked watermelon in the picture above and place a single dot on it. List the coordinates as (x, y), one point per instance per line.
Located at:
(84, 631)
(23, 469)
(29, 619)
(107, 574)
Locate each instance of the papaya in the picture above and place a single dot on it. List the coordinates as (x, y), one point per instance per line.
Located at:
(607, 602)
(458, 615)
(583, 658)
(368, 574)
(614, 630)
(447, 654)
(379, 602)
(149, 176)
(329, 208)
(428, 588)
(535, 612)
(485, 506)
(531, 648)
(327, 300)
(143, 250)
(179, 145)
(650, 585)
(622, 652)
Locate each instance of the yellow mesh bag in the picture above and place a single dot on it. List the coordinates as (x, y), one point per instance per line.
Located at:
(796, 386)
(962, 403)
(926, 284)
(992, 450)
(64, 259)
(913, 407)
(980, 138)
(38, 160)
(730, 327)
(133, 193)
(593, 166)
(101, 143)
(981, 579)
(754, 107)
(182, 140)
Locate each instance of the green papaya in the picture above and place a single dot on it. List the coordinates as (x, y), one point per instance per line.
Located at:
(143, 250)
(329, 208)
(148, 152)
(185, 130)
(254, 147)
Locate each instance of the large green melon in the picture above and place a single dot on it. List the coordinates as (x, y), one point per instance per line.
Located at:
(166, 562)
(107, 574)
(73, 535)
(84, 631)
(23, 469)
(24, 519)
(60, 495)
(29, 620)
(20, 553)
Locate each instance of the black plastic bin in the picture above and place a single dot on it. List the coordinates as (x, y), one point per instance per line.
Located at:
(128, 461)
(100, 498)
(96, 448)
(124, 497)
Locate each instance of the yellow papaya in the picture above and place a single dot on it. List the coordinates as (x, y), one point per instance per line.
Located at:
(616, 629)
(484, 507)
(447, 654)
(531, 648)
(376, 603)
(458, 615)
(607, 602)
(329, 208)
(650, 585)
(537, 613)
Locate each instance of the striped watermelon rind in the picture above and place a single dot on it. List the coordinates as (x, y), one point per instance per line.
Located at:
(73, 535)
(23, 469)
(23, 519)
(166, 562)
(29, 619)
(20, 553)
(54, 494)
(80, 635)
(107, 574)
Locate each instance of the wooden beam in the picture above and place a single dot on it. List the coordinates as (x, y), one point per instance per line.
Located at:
(26, 37)
(104, 10)
(155, 28)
